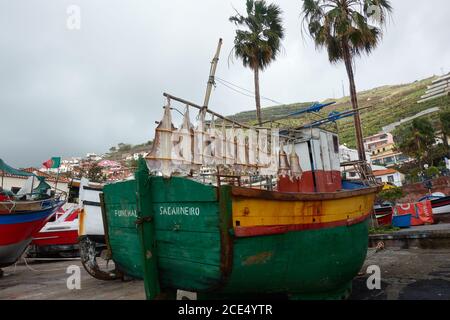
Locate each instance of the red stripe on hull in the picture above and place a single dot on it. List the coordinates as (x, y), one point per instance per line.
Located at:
(14, 233)
(440, 204)
(56, 238)
(325, 181)
(272, 230)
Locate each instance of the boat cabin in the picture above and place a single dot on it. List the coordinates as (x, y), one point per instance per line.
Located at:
(318, 151)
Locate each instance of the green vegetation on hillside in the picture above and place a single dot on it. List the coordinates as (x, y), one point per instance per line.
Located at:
(118, 152)
(388, 104)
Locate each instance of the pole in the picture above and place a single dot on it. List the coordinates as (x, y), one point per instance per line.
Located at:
(32, 187)
(212, 73)
(57, 178)
(209, 111)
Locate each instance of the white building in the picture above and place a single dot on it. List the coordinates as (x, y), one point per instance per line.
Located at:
(93, 157)
(390, 176)
(347, 155)
(15, 183)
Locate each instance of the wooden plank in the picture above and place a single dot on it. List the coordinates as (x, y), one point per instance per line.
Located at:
(146, 229)
(271, 195)
(188, 275)
(182, 190)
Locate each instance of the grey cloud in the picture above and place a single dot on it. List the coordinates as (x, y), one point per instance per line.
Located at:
(71, 92)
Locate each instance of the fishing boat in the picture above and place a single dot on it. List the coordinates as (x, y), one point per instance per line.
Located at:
(93, 247)
(439, 202)
(384, 214)
(272, 217)
(23, 214)
(307, 233)
(58, 238)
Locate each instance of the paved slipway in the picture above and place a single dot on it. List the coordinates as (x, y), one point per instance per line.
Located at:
(41, 281)
(412, 274)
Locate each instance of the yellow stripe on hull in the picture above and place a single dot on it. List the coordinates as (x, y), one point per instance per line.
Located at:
(248, 212)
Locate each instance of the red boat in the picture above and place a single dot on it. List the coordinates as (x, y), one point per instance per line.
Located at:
(17, 229)
(23, 214)
(384, 215)
(59, 237)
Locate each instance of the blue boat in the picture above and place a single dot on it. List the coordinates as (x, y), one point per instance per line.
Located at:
(403, 221)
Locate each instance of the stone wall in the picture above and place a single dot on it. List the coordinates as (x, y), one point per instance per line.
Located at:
(415, 191)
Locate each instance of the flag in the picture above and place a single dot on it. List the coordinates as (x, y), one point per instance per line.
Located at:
(53, 163)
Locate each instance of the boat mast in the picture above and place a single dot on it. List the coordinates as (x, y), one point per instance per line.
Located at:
(212, 73)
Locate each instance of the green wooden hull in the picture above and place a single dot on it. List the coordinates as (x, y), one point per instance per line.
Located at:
(194, 247)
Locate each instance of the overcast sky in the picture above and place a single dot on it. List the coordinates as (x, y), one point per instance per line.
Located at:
(68, 92)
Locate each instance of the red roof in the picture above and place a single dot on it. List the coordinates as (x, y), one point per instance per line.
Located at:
(47, 176)
(384, 172)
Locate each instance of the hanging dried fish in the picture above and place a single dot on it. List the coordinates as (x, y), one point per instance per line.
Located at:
(284, 167)
(159, 159)
(230, 156)
(208, 151)
(271, 169)
(241, 161)
(296, 170)
(183, 142)
(199, 140)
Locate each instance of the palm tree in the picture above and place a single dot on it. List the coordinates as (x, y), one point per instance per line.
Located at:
(444, 118)
(259, 42)
(347, 29)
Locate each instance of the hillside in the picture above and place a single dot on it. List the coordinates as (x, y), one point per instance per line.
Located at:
(388, 104)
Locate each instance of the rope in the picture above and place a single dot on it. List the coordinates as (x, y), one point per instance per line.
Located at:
(35, 270)
(225, 82)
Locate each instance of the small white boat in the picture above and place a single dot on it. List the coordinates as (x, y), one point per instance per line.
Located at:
(439, 202)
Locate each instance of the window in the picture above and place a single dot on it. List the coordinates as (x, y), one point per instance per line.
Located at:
(391, 179)
(336, 144)
(15, 190)
(377, 162)
(379, 180)
(389, 160)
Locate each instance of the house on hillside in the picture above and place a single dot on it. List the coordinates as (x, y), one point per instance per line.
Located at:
(15, 183)
(383, 152)
(389, 176)
(374, 142)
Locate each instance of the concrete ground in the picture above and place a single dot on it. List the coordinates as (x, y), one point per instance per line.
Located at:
(41, 281)
(415, 274)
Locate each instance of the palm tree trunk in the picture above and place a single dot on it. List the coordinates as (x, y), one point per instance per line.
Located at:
(257, 96)
(445, 142)
(354, 100)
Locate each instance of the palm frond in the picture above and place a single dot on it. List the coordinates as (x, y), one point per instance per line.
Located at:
(258, 41)
(335, 24)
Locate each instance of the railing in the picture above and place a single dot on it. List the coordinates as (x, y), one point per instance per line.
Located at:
(28, 205)
(250, 181)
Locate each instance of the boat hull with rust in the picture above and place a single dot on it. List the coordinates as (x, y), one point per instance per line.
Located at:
(219, 242)
(18, 228)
